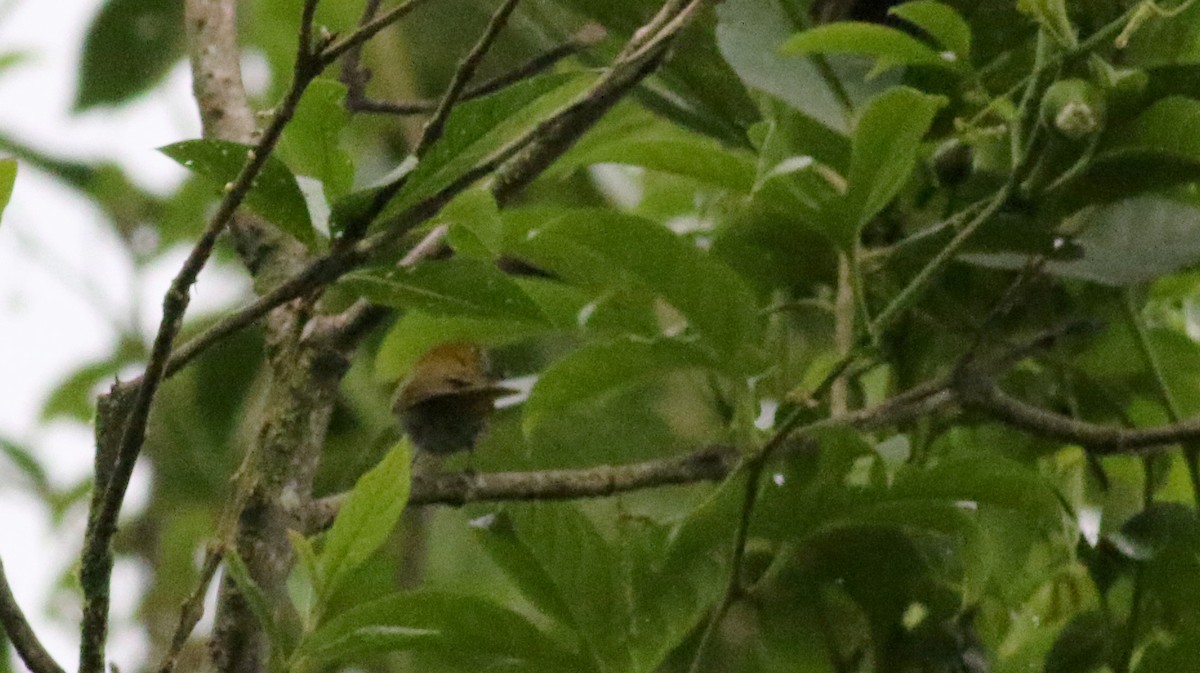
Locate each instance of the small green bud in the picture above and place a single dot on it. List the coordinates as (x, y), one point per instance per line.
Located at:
(1076, 108)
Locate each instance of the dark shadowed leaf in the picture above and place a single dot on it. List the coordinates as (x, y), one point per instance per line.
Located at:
(130, 46)
(1082, 646)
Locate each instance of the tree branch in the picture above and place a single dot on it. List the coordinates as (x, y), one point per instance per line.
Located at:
(367, 31)
(357, 101)
(981, 394)
(523, 159)
(707, 464)
(23, 639)
(433, 128)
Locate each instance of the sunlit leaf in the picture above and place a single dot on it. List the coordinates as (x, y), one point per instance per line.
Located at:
(366, 517)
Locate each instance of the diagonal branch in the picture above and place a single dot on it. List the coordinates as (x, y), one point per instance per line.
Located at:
(366, 31)
(462, 74)
(357, 101)
(20, 634)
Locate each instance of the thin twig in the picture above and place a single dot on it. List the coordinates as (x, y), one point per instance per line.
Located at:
(733, 583)
(591, 34)
(523, 159)
(344, 330)
(434, 127)
(20, 634)
(335, 50)
(934, 266)
(1191, 450)
(432, 131)
(192, 610)
(354, 76)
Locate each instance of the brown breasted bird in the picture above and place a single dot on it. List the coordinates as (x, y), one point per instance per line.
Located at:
(444, 402)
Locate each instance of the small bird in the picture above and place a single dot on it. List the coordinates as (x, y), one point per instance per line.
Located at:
(444, 402)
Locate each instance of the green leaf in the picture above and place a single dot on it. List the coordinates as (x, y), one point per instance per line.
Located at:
(8, 177)
(981, 483)
(130, 46)
(1082, 645)
(479, 127)
(367, 517)
(505, 544)
(889, 46)
(585, 569)
(274, 194)
(28, 465)
(1173, 656)
(886, 141)
(465, 287)
(11, 59)
(416, 332)
(256, 598)
(606, 251)
(631, 135)
(474, 220)
(1052, 15)
(310, 142)
(746, 32)
(465, 629)
(942, 22)
(597, 371)
(308, 560)
(1157, 130)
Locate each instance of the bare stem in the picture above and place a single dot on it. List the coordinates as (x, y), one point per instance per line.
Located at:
(20, 634)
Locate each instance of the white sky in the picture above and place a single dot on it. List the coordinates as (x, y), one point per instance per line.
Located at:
(63, 278)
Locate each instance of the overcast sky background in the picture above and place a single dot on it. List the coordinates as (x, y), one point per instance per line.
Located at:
(63, 280)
